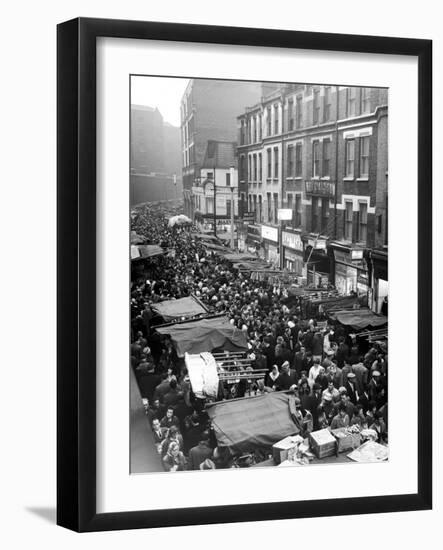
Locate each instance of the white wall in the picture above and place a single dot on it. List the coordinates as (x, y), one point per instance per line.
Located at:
(28, 270)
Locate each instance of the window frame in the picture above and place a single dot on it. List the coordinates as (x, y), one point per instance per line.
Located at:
(348, 142)
(348, 223)
(364, 158)
(315, 158)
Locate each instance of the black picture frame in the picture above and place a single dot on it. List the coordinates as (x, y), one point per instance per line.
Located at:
(76, 281)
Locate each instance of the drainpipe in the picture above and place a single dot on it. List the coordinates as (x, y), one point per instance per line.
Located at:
(282, 178)
(336, 170)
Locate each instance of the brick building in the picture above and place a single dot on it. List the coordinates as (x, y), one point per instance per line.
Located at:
(208, 112)
(320, 152)
(219, 169)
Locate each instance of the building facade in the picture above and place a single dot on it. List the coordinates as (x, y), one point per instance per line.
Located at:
(321, 153)
(209, 109)
(155, 157)
(218, 172)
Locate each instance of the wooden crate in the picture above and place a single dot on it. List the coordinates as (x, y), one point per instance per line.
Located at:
(281, 449)
(322, 443)
(345, 440)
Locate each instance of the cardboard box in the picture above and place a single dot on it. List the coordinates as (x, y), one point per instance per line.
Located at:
(322, 443)
(346, 441)
(282, 448)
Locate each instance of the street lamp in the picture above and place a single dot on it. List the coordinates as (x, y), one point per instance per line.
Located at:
(232, 173)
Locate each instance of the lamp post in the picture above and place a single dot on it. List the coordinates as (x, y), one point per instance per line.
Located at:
(215, 205)
(232, 173)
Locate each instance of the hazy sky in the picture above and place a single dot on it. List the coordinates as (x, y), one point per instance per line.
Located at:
(161, 92)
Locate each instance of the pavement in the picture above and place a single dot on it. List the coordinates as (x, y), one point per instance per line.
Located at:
(144, 457)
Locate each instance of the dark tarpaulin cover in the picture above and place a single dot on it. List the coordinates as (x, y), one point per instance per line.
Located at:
(205, 335)
(150, 250)
(184, 307)
(252, 266)
(253, 422)
(359, 318)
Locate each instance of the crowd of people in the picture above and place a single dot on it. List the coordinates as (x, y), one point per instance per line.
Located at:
(338, 379)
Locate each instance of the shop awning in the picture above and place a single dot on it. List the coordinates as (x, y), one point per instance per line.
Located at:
(259, 265)
(252, 422)
(239, 256)
(359, 318)
(182, 308)
(226, 236)
(205, 236)
(205, 335)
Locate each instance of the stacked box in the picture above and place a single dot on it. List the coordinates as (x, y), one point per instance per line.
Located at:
(322, 443)
(346, 440)
(281, 449)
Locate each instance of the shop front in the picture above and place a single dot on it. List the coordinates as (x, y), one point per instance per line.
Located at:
(380, 285)
(318, 264)
(351, 270)
(270, 244)
(293, 252)
(253, 238)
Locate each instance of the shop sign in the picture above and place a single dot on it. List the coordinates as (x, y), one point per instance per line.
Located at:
(249, 217)
(270, 233)
(342, 257)
(284, 214)
(320, 188)
(317, 244)
(292, 240)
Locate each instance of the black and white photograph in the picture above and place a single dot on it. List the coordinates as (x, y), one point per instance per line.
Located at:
(259, 274)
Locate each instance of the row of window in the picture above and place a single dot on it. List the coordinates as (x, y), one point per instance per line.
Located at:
(251, 130)
(321, 160)
(321, 220)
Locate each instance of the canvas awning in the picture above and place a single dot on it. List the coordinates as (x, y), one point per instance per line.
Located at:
(239, 256)
(205, 236)
(202, 369)
(248, 423)
(256, 265)
(359, 318)
(182, 308)
(204, 335)
(215, 247)
(135, 253)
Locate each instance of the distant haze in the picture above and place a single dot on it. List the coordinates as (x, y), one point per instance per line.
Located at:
(162, 92)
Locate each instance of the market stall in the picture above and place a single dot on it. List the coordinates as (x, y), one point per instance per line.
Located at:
(207, 371)
(203, 335)
(246, 424)
(358, 318)
(183, 308)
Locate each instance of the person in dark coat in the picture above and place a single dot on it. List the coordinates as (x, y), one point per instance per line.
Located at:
(199, 453)
(287, 378)
(169, 419)
(317, 345)
(342, 352)
(159, 434)
(313, 402)
(301, 361)
(147, 379)
(351, 387)
(173, 396)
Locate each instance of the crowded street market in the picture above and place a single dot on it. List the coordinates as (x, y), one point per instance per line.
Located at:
(239, 370)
